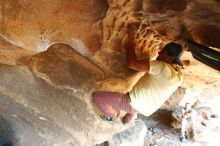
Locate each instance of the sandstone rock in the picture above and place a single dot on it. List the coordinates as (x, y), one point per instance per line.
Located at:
(200, 80)
(202, 22)
(19, 133)
(161, 6)
(134, 136)
(37, 25)
(48, 94)
(10, 54)
(175, 99)
(58, 110)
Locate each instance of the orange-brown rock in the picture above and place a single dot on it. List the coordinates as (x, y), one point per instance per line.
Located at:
(54, 54)
(36, 25)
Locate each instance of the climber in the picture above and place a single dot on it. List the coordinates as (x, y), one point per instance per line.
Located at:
(187, 122)
(161, 78)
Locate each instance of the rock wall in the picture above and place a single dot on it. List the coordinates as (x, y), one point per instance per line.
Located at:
(36, 25)
(54, 54)
(52, 97)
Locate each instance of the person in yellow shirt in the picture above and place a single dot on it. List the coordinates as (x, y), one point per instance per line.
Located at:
(162, 77)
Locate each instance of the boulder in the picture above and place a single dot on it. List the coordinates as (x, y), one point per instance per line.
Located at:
(133, 136)
(54, 54)
(51, 97)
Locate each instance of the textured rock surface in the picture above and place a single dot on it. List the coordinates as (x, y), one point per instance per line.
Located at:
(191, 19)
(36, 25)
(134, 136)
(48, 94)
(55, 108)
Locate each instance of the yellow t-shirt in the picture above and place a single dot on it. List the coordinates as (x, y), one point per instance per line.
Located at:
(153, 89)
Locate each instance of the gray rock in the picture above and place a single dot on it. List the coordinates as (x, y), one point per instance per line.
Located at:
(134, 136)
(51, 100)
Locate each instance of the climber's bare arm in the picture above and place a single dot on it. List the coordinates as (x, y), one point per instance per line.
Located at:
(133, 63)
